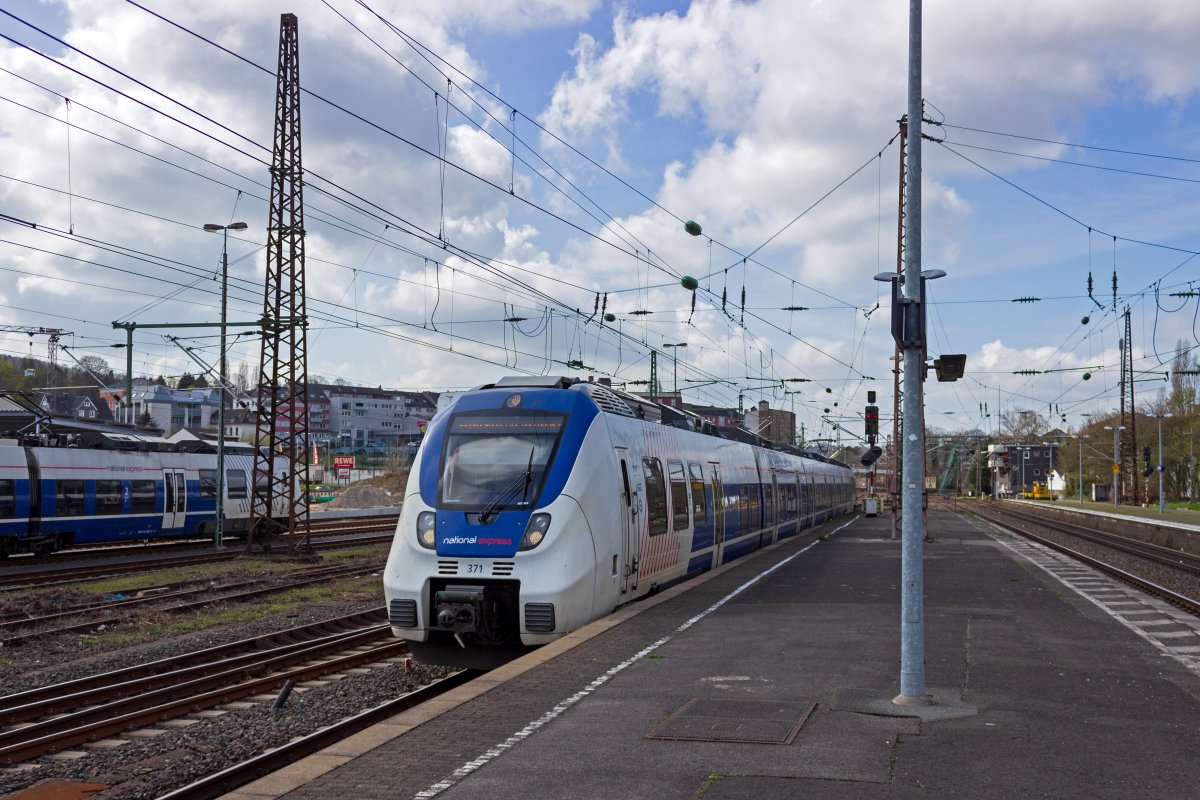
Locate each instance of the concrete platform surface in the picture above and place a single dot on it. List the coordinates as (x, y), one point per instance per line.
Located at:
(774, 676)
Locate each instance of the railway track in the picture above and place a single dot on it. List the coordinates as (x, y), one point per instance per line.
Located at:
(89, 616)
(63, 575)
(53, 718)
(86, 552)
(265, 763)
(1167, 558)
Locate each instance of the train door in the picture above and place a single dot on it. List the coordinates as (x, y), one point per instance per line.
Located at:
(174, 499)
(771, 501)
(630, 528)
(718, 507)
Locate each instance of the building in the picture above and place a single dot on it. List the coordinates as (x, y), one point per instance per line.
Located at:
(359, 416)
(1018, 466)
(171, 409)
(774, 425)
(721, 417)
(61, 404)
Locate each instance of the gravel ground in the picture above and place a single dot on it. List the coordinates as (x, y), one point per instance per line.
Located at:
(147, 768)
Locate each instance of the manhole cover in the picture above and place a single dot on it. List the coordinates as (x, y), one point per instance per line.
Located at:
(745, 721)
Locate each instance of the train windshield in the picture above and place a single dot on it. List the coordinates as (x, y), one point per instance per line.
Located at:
(498, 460)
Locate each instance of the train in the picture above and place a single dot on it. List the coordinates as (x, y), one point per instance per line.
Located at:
(91, 487)
(537, 505)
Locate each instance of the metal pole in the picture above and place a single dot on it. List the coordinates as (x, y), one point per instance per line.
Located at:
(219, 535)
(912, 630)
(1081, 469)
(1162, 503)
(1116, 462)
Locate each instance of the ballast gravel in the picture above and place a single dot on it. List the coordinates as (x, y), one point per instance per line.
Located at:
(146, 768)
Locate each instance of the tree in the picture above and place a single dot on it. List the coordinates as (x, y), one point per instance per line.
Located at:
(144, 420)
(186, 381)
(242, 381)
(99, 367)
(1024, 426)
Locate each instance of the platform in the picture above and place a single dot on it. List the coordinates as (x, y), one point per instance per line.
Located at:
(773, 678)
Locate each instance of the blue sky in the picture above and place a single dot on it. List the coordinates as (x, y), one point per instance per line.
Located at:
(769, 123)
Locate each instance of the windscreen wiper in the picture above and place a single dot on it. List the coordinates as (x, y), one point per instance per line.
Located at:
(523, 480)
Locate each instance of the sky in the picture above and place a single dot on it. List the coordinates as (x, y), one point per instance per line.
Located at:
(486, 180)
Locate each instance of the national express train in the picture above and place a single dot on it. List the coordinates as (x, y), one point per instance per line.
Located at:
(58, 490)
(537, 505)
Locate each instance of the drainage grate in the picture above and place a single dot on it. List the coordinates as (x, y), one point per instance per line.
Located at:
(745, 721)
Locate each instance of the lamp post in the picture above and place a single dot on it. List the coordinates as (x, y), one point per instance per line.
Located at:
(219, 535)
(1162, 502)
(675, 364)
(1116, 429)
(1024, 458)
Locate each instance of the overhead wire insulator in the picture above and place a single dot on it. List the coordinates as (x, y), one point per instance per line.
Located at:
(1026, 299)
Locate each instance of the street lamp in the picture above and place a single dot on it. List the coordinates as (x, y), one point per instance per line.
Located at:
(1162, 502)
(675, 363)
(219, 535)
(1116, 429)
(1024, 458)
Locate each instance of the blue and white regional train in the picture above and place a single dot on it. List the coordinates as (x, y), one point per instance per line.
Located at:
(537, 505)
(91, 488)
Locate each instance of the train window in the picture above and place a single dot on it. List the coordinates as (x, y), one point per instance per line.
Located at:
(769, 503)
(498, 459)
(208, 483)
(108, 497)
(8, 498)
(656, 496)
(235, 484)
(744, 506)
(787, 501)
(699, 507)
(625, 478)
(68, 500)
(679, 495)
(142, 494)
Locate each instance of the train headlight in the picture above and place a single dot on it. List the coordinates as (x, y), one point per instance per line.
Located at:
(535, 531)
(426, 529)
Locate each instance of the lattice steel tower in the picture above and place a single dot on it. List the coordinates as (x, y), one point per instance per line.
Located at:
(1129, 468)
(280, 507)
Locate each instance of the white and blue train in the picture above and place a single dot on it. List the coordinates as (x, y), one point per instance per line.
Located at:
(537, 505)
(73, 489)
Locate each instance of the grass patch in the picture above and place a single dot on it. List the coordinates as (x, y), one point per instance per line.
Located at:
(654, 656)
(374, 551)
(200, 572)
(709, 782)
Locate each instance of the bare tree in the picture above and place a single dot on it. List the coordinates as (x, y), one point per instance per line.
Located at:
(1024, 426)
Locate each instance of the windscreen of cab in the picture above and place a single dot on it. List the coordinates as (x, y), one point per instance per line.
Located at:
(498, 459)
